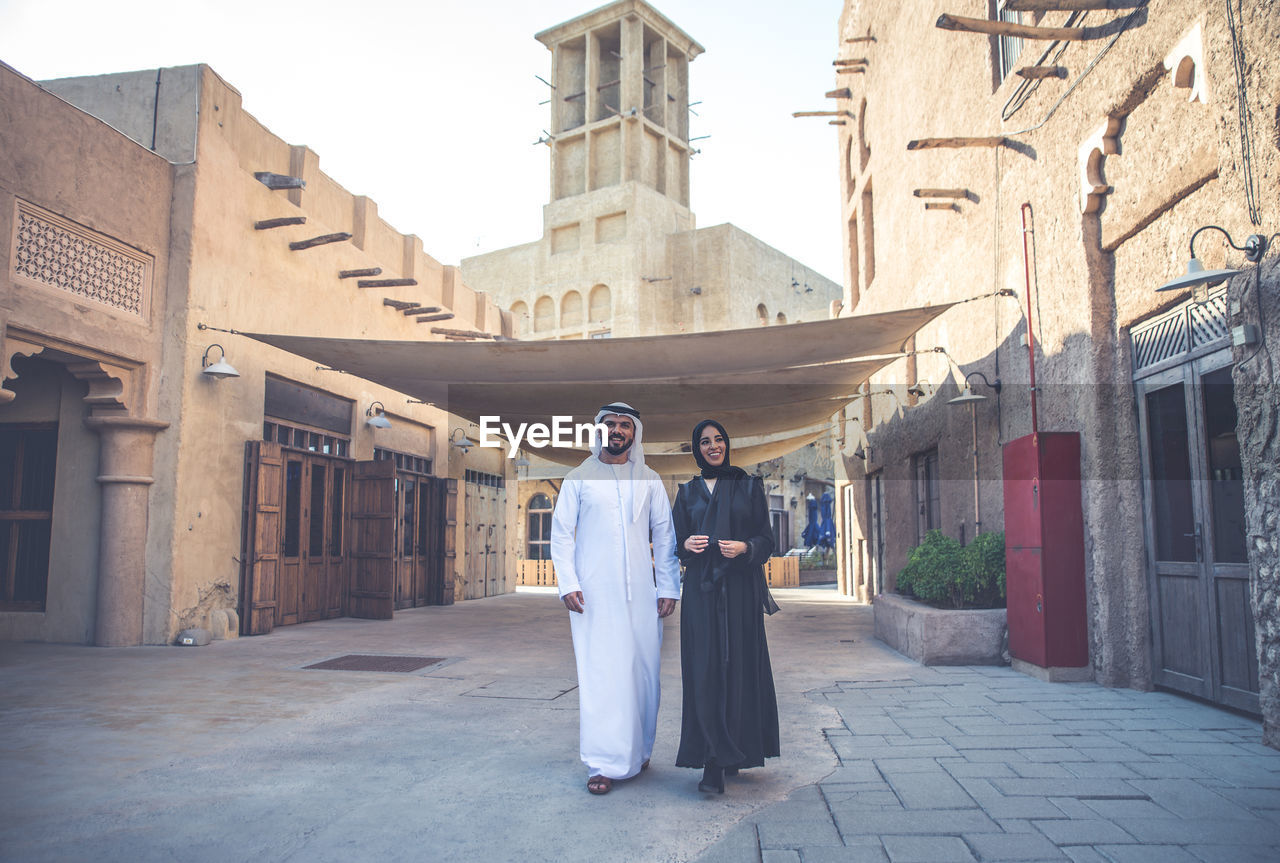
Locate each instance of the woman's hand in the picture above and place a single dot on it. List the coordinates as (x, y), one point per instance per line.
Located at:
(697, 543)
(732, 548)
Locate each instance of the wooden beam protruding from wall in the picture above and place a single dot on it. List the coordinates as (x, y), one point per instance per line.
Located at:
(356, 274)
(386, 283)
(853, 39)
(323, 240)
(1023, 31)
(421, 310)
(1033, 73)
(941, 193)
(268, 224)
(938, 205)
(1069, 5)
(954, 143)
(851, 61)
(443, 316)
(466, 334)
(400, 305)
(822, 114)
(842, 93)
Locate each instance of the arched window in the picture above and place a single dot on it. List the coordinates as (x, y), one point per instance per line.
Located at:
(600, 304)
(782, 319)
(520, 317)
(763, 314)
(539, 533)
(544, 315)
(571, 310)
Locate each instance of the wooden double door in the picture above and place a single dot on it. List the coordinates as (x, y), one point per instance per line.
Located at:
(486, 531)
(322, 538)
(295, 544)
(1201, 607)
(422, 521)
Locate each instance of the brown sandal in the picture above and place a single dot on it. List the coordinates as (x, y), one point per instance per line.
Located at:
(599, 784)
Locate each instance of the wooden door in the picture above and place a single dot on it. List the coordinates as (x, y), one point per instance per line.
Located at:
(426, 544)
(407, 501)
(496, 542)
(335, 587)
(289, 582)
(449, 557)
(1201, 613)
(260, 531)
(372, 539)
(875, 534)
(315, 552)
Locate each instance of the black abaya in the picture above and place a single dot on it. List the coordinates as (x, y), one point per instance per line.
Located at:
(730, 715)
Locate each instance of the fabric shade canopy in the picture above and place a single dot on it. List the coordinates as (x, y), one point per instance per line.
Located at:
(765, 381)
(675, 464)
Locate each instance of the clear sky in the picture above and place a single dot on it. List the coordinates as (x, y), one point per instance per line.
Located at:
(431, 107)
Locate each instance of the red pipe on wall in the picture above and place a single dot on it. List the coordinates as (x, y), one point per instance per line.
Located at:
(1031, 342)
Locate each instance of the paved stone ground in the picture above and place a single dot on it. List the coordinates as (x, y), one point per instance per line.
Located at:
(977, 764)
(236, 751)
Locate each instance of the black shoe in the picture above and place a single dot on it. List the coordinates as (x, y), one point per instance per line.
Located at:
(712, 779)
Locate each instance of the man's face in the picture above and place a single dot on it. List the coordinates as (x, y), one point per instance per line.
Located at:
(622, 431)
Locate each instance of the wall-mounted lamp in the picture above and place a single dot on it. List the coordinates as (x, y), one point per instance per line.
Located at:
(1199, 279)
(219, 370)
(920, 389)
(460, 442)
(863, 450)
(377, 417)
(969, 397)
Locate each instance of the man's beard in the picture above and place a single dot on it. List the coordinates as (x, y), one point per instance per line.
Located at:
(618, 450)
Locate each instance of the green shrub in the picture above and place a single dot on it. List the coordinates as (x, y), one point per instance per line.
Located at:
(941, 572)
(817, 558)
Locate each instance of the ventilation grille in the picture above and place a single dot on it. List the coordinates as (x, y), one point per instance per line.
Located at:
(1179, 333)
(367, 662)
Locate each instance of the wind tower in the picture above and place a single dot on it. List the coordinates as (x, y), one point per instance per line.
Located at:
(619, 124)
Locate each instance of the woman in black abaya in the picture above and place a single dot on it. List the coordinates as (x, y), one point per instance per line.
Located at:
(723, 538)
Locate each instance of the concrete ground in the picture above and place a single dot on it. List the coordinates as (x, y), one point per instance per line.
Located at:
(235, 751)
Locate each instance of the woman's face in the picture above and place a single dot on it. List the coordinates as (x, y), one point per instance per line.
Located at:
(712, 446)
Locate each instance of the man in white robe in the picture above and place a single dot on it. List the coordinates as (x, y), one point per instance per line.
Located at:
(608, 511)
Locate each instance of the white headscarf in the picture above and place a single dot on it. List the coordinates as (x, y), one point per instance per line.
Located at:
(635, 453)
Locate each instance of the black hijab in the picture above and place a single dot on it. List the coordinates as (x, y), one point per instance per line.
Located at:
(710, 471)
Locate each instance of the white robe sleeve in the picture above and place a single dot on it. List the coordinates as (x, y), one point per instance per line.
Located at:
(662, 532)
(564, 529)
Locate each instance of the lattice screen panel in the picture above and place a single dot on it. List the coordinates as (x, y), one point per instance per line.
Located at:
(54, 252)
(1179, 332)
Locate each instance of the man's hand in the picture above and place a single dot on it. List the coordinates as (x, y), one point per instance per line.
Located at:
(665, 606)
(697, 543)
(574, 601)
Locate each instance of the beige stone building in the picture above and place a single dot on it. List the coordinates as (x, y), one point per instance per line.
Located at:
(1061, 174)
(144, 495)
(620, 254)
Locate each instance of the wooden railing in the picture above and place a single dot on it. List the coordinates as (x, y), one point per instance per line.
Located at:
(536, 573)
(782, 571)
(778, 571)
